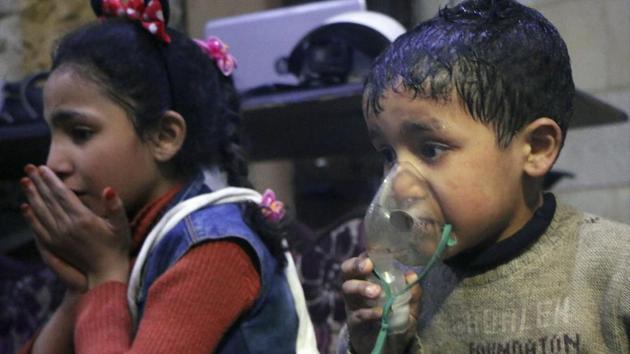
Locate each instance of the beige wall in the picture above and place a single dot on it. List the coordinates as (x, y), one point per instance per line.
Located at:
(200, 11)
(43, 22)
(28, 29)
(10, 41)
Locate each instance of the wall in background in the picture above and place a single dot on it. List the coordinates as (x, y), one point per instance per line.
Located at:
(198, 12)
(28, 29)
(10, 41)
(598, 37)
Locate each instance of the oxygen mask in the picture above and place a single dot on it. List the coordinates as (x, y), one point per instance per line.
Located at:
(405, 231)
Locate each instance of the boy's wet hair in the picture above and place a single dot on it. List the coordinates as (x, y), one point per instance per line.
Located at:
(505, 61)
(147, 77)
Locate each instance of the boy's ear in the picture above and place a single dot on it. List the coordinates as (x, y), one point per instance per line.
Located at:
(168, 136)
(543, 140)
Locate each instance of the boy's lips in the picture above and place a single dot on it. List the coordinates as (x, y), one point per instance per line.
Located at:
(403, 220)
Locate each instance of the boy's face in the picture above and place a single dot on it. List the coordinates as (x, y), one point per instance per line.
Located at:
(477, 185)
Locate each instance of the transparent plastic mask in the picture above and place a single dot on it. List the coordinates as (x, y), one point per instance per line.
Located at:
(405, 231)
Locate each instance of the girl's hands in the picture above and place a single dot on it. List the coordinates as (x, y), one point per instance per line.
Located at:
(74, 279)
(363, 316)
(72, 238)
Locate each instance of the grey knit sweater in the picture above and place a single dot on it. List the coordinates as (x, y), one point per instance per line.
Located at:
(568, 293)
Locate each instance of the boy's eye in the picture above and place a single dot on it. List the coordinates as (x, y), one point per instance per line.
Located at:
(389, 155)
(432, 151)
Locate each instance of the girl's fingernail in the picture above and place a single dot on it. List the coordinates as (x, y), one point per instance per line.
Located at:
(109, 193)
(25, 182)
(24, 208)
(29, 169)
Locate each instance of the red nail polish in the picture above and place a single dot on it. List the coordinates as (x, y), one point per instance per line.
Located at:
(24, 208)
(29, 169)
(25, 182)
(109, 193)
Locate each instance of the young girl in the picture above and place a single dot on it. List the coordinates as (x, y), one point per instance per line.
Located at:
(144, 124)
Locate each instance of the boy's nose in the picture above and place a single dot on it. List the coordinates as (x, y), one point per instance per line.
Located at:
(409, 186)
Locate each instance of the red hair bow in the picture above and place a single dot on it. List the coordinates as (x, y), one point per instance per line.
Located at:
(218, 51)
(150, 16)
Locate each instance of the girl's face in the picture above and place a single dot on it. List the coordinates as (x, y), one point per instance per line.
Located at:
(477, 185)
(94, 144)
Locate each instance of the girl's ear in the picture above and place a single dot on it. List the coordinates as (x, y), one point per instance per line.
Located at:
(543, 140)
(168, 136)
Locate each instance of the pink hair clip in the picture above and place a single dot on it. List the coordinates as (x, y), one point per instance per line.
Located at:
(218, 51)
(272, 208)
(150, 16)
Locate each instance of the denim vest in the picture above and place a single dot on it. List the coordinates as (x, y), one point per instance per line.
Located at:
(271, 324)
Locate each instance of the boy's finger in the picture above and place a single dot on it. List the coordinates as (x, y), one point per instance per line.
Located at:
(411, 277)
(365, 317)
(356, 268)
(360, 294)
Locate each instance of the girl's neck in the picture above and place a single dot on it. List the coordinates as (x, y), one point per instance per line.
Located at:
(148, 215)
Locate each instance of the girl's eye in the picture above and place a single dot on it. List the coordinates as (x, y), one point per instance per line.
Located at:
(432, 151)
(81, 134)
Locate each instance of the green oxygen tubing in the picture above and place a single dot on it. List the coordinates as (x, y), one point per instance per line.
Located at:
(446, 240)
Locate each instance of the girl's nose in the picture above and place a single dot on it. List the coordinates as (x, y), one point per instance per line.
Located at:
(59, 161)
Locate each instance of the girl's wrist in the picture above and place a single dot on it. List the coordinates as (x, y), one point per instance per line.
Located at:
(117, 273)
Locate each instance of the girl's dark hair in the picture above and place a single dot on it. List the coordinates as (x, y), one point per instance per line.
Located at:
(506, 62)
(148, 77)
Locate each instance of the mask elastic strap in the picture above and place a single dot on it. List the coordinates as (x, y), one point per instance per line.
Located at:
(446, 240)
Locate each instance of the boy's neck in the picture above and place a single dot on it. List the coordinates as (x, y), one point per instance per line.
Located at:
(490, 256)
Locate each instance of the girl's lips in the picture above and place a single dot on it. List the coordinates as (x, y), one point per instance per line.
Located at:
(80, 195)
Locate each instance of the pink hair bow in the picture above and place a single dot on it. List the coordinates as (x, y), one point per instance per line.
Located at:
(272, 208)
(150, 16)
(218, 51)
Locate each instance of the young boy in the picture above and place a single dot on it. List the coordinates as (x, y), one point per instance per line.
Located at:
(478, 100)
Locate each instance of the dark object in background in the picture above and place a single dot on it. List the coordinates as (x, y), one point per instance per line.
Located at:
(24, 135)
(341, 50)
(320, 266)
(322, 61)
(29, 291)
(554, 176)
